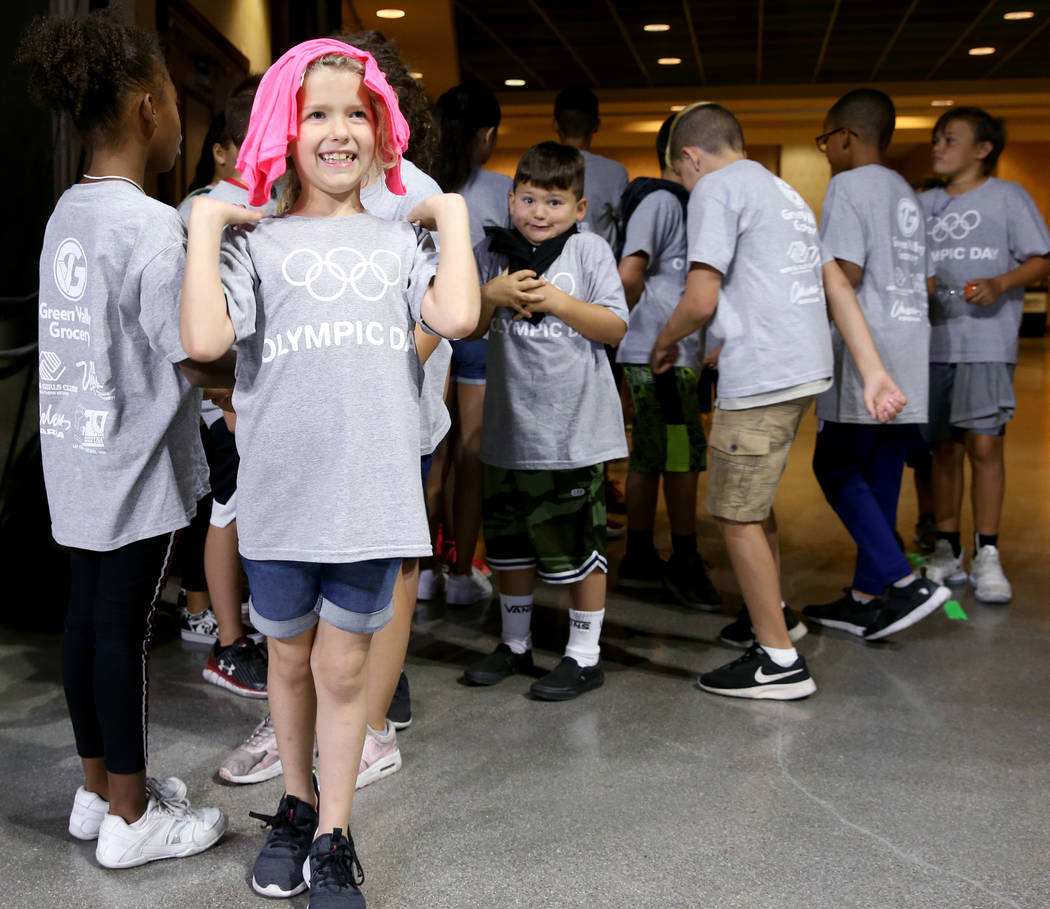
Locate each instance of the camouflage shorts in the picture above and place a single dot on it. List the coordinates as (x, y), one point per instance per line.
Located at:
(551, 520)
(666, 434)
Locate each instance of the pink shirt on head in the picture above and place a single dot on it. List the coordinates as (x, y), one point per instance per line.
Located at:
(275, 116)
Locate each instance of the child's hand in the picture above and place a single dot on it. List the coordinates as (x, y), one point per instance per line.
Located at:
(434, 208)
(215, 212)
(882, 398)
(663, 357)
(984, 291)
(221, 398)
(514, 291)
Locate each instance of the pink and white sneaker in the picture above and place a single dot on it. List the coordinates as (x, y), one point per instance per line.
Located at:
(380, 757)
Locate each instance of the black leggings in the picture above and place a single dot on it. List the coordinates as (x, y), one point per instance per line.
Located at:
(104, 649)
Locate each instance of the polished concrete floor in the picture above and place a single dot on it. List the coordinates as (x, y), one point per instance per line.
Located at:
(917, 776)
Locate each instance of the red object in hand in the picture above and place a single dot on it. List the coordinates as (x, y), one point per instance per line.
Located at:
(971, 287)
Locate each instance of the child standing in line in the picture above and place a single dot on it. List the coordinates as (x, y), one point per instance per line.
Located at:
(552, 298)
(321, 302)
(667, 437)
(871, 224)
(987, 241)
(754, 254)
(122, 456)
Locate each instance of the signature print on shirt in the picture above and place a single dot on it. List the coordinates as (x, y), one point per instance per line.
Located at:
(327, 278)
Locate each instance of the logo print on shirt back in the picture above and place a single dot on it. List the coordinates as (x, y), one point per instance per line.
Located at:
(327, 278)
(70, 269)
(51, 367)
(907, 217)
(790, 193)
(955, 226)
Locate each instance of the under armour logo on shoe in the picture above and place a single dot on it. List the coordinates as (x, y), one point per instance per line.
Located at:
(226, 667)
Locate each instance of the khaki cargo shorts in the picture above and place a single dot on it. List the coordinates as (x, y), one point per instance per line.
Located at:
(747, 453)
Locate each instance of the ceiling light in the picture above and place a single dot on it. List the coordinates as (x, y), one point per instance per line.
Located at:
(416, 75)
(390, 13)
(946, 102)
(656, 27)
(980, 51)
(669, 61)
(1019, 14)
(914, 122)
(514, 83)
(675, 108)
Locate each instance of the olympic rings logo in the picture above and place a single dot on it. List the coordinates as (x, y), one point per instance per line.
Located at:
(328, 278)
(955, 226)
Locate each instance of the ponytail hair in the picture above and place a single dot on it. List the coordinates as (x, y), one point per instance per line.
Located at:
(460, 113)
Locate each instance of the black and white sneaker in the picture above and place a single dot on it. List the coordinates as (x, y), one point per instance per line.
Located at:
(497, 666)
(902, 607)
(278, 870)
(567, 680)
(334, 873)
(400, 710)
(688, 583)
(845, 614)
(739, 632)
(241, 667)
(755, 675)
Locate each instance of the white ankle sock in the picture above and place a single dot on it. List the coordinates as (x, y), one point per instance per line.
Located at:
(517, 620)
(905, 581)
(584, 630)
(861, 598)
(783, 658)
(386, 733)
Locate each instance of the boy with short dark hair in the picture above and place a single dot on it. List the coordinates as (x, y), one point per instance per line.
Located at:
(576, 121)
(551, 299)
(755, 255)
(872, 225)
(667, 436)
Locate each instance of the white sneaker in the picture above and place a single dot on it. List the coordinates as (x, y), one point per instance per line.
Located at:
(986, 575)
(89, 808)
(944, 568)
(464, 589)
(431, 583)
(168, 829)
(379, 759)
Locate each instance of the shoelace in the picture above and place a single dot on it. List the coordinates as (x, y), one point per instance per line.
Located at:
(262, 731)
(176, 806)
(286, 833)
(338, 866)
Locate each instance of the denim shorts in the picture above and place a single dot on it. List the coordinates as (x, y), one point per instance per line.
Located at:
(289, 597)
(469, 359)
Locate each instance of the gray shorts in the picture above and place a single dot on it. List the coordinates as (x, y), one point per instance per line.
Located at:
(970, 397)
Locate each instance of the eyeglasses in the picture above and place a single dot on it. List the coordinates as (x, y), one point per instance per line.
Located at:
(822, 141)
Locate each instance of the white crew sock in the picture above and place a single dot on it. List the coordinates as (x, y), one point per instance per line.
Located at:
(782, 657)
(584, 630)
(905, 581)
(517, 620)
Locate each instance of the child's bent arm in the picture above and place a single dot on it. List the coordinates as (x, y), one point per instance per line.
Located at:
(204, 322)
(632, 276)
(214, 374)
(853, 272)
(693, 311)
(592, 320)
(985, 291)
(452, 304)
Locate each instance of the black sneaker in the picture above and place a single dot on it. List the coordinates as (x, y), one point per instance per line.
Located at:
(739, 632)
(567, 680)
(278, 870)
(240, 668)
(641, 572)
(498, 665)
(689, 584)
(334, 873)
(845, 614)
(755, 675)
(926, 533)
(400, 710)
(904, 606)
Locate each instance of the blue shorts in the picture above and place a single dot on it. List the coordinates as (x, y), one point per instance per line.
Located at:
(289, 597)
(469, 359)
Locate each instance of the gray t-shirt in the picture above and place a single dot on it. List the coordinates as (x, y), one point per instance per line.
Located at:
(550, 399)
(980, 234)
(377, 198)
(487, 195)
(657, 228)
(872, 218)
(327, 393)
(759, 233)
(119, 433)
(604, 182)
(224, 191)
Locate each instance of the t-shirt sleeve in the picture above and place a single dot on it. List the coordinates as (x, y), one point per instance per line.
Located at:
(841, 227)
(489, 264)
(603, 279)
(240, 280)
(160, 289)
(652, 224)
(421, 271)
(1025, 228)
(713, 229)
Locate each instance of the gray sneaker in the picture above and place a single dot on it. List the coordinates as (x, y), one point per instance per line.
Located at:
(278, 870)
(333, 873)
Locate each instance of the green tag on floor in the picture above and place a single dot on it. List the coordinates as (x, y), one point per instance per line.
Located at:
(917, 559)
(954, 611)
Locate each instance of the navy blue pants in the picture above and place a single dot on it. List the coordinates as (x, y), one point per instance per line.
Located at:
(859, 468)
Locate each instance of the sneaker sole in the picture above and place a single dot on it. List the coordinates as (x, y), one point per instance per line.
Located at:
(379, 770)
(197, 637)
(273, 891)
(268, 773)
(566, 694)
(857, 630)
(81, 834)
(187, 850)
(400, 724)
(210, 675)
(743, 645)
(789, 691)
(989, 598)
(954, 579)
(940, 596)
(485, 680)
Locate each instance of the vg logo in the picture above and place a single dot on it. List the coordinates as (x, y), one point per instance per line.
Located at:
(907, 217)
(70, 269)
